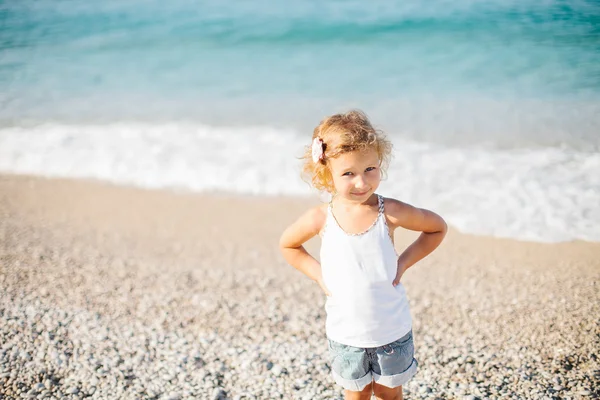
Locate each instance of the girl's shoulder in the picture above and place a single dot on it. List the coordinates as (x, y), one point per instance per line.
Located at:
(319, 215)
(393, 206)
(401, 214)
(396, 211)
(315, 217)
(309, 224)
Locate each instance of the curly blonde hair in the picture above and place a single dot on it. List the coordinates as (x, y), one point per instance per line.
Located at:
(343, 133)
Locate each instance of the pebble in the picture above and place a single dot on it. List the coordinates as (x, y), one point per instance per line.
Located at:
(219, 394)
(276, 370)
(174, 396)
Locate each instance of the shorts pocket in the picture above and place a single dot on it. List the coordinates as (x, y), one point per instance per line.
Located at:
(403, 341)
(336, 352)
(397, 356)
(404, 347)
(346, 361)
(336, 348)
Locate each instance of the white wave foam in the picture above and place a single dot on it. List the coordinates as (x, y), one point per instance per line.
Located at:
(549, 194)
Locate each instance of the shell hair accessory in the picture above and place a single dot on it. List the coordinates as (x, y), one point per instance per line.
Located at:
(317, 150)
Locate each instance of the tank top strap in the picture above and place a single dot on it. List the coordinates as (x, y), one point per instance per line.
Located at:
(328, 218)
(385, 225)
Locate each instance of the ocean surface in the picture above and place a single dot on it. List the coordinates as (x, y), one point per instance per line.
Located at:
(493, 106)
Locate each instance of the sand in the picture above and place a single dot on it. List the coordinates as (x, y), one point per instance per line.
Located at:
(115, 292)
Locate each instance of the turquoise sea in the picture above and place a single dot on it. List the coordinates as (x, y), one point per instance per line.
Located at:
(493, 106)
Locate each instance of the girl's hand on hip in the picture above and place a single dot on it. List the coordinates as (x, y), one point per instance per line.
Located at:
(399, 272)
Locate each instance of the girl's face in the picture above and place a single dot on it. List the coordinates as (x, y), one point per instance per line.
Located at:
(356, 175)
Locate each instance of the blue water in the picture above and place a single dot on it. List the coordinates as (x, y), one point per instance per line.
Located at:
(516, 80)
(499, 71)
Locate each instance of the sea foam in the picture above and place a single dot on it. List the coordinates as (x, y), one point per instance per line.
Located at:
(541, 194)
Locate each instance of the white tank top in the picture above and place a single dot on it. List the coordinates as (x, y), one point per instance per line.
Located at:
(364, 309)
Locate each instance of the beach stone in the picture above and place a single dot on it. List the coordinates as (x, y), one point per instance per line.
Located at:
(277, 370)
(174, 396)
(219, 394)
(73, 390)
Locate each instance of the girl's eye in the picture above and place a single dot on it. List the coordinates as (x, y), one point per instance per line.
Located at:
(347, 174)
(370, 169)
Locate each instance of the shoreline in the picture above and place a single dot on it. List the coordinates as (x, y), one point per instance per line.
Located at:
(299, 201)
(187, 295)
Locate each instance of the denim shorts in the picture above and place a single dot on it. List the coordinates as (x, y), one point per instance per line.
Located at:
(391, 365)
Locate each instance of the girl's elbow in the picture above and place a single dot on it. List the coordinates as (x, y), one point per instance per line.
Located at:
(443, 228)
(282, 243)
(440, 228)
(285, 243)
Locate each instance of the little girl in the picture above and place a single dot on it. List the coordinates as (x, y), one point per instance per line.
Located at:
(369, 327)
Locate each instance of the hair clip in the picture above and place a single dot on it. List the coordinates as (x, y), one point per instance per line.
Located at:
(317, 150)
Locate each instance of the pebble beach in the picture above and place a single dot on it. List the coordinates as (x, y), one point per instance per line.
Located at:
(110, 292)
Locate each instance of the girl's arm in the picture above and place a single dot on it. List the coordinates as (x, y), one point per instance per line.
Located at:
(432, 226)
(292, 239)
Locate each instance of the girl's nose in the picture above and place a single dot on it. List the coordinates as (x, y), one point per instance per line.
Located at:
(360, 182)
